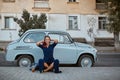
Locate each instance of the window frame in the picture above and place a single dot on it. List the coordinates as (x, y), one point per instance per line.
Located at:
(72, 0)
(76, 20)
(62, 35)
(101, 26)
(41, 1)
(99, 1)
(9, 27)
(32, 33)
(8, 0)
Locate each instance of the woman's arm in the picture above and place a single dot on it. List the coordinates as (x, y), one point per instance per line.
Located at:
(55, 40)
(39, 43)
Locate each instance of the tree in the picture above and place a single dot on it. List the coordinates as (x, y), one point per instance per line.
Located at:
(27, 22)
(113, 12)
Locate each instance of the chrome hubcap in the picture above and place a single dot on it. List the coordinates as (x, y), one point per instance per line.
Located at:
(25, 62)
(86, 62)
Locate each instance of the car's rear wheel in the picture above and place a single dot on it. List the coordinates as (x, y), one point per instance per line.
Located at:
(85, 61)
(24, 61)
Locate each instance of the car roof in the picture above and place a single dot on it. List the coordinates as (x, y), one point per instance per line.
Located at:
(45, 30)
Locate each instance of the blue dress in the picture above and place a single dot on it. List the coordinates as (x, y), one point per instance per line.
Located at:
(48, 52)
(48, 58)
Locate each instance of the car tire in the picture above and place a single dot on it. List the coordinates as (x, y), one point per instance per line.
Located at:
(85, 61)
(24, 61)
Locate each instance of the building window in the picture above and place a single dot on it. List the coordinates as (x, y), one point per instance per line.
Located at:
(41, 3)
(73, 22)
(41, 0)
(72, 0)
(98, 1)
(9, 22)
(8, 0)
(102, 23)
(100, 5)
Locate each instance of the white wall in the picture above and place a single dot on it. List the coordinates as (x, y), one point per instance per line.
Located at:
(8, 34)
(86, 22)
(59, 22)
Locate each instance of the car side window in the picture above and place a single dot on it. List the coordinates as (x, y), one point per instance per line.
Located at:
(66, 39)
(34, 37)
(60, 37)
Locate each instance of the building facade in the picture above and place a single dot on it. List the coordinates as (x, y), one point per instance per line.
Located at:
(80, 18)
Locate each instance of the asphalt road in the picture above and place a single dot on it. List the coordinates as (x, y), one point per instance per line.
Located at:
(104, 60)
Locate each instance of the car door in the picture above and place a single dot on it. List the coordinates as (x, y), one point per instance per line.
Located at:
(30, 40)
(65, 51)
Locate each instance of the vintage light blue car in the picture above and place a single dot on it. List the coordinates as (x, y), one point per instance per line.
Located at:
(25, 51)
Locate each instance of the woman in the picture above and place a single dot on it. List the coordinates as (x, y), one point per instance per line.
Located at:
(48, 63)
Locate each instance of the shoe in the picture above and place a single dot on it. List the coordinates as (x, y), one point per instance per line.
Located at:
(58, 71)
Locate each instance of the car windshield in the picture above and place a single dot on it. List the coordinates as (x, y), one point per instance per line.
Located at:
(34, 37)
(62, 38)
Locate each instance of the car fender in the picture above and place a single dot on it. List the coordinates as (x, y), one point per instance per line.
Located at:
(24, 53)
(93, 54)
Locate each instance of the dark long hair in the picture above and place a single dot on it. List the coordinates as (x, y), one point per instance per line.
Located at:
(44, 43)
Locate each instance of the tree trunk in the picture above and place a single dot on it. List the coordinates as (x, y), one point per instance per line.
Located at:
(116, 40)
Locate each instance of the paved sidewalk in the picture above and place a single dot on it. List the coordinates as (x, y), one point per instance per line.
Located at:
(108, 52)
(69, 73)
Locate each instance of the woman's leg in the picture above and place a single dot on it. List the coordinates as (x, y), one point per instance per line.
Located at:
(41, 65)
(56, 66)
(49, 67)
(36, 67)
(46, 65)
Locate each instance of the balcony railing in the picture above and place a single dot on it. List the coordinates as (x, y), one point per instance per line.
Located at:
(101, 6)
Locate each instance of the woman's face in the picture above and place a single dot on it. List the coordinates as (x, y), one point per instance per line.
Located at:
(47, 40)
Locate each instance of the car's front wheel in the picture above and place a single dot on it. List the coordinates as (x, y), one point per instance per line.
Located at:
(85, 61)
(24, 61)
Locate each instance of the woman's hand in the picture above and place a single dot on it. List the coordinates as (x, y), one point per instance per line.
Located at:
(40, 42)
(55, 40)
